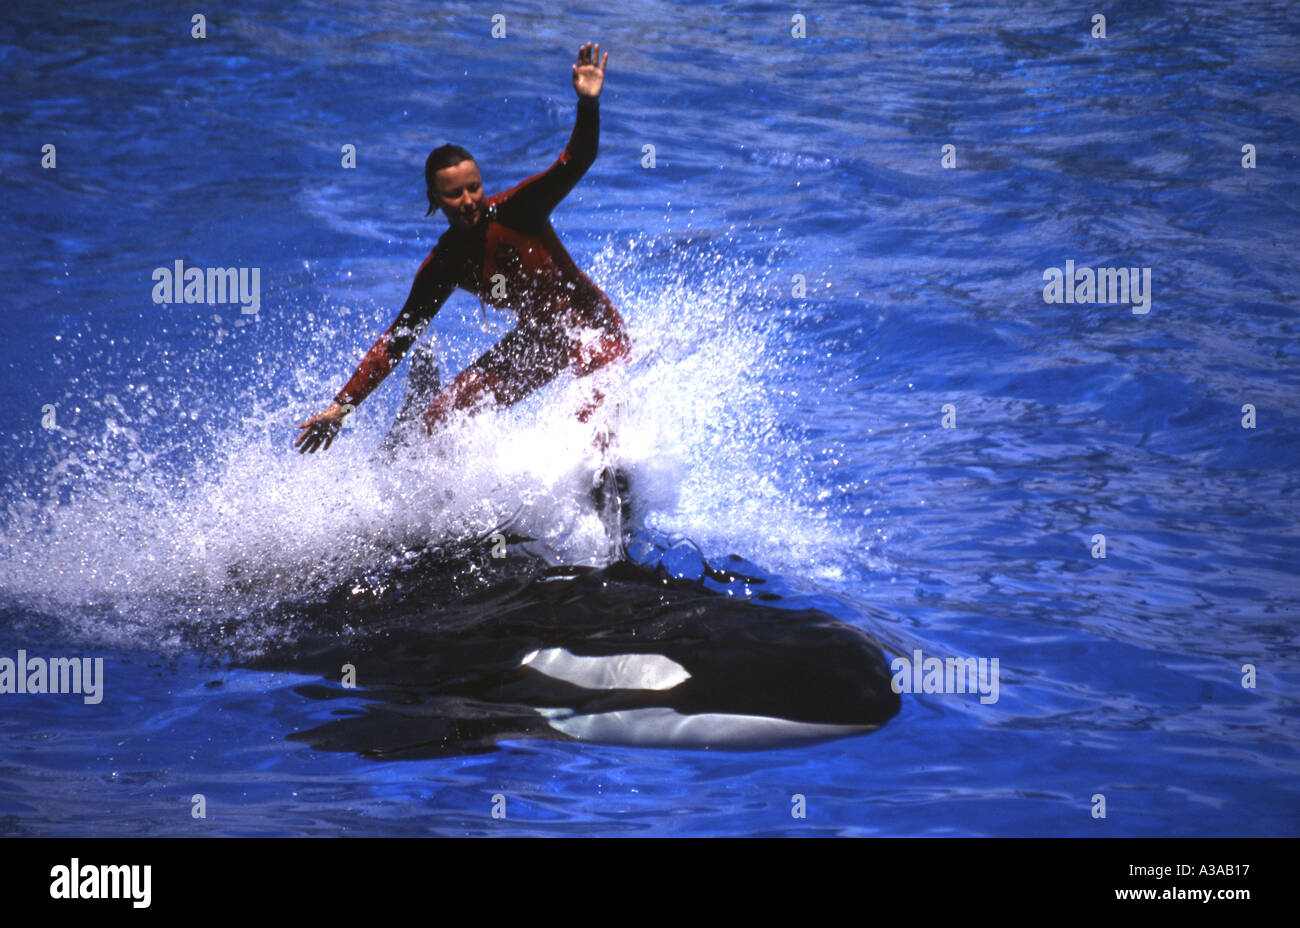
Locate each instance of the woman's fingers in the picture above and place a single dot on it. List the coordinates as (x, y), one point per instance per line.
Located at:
(321, 428)
(311, 439)
(306, 434)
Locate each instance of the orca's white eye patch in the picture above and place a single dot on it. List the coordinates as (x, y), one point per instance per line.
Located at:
(616, 672)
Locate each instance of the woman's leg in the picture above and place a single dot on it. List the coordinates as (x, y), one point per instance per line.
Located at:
(587, 358)
(524, 360)
(507, 372)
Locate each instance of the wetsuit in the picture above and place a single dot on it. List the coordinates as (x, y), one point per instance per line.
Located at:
(512, 259)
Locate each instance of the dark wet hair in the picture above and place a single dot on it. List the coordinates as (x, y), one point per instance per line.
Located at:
(444, 156)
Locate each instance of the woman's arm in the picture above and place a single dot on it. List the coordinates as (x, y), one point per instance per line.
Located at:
(434, 282)
(536, 197)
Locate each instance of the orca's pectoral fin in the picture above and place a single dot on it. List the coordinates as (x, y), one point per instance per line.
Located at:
(422, 385)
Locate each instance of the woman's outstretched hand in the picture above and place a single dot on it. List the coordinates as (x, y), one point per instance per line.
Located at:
(321, 429)
(589, 72)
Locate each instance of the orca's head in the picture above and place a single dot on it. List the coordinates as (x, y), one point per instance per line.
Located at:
(649, 699)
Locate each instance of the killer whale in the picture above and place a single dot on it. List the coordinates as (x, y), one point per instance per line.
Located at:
(461, 651)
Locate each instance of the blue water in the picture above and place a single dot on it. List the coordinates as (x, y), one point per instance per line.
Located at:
(802, 433)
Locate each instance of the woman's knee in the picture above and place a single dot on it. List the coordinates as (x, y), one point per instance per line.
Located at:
(468, 391)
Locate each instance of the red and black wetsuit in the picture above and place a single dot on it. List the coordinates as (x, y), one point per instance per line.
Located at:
(565, 321)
